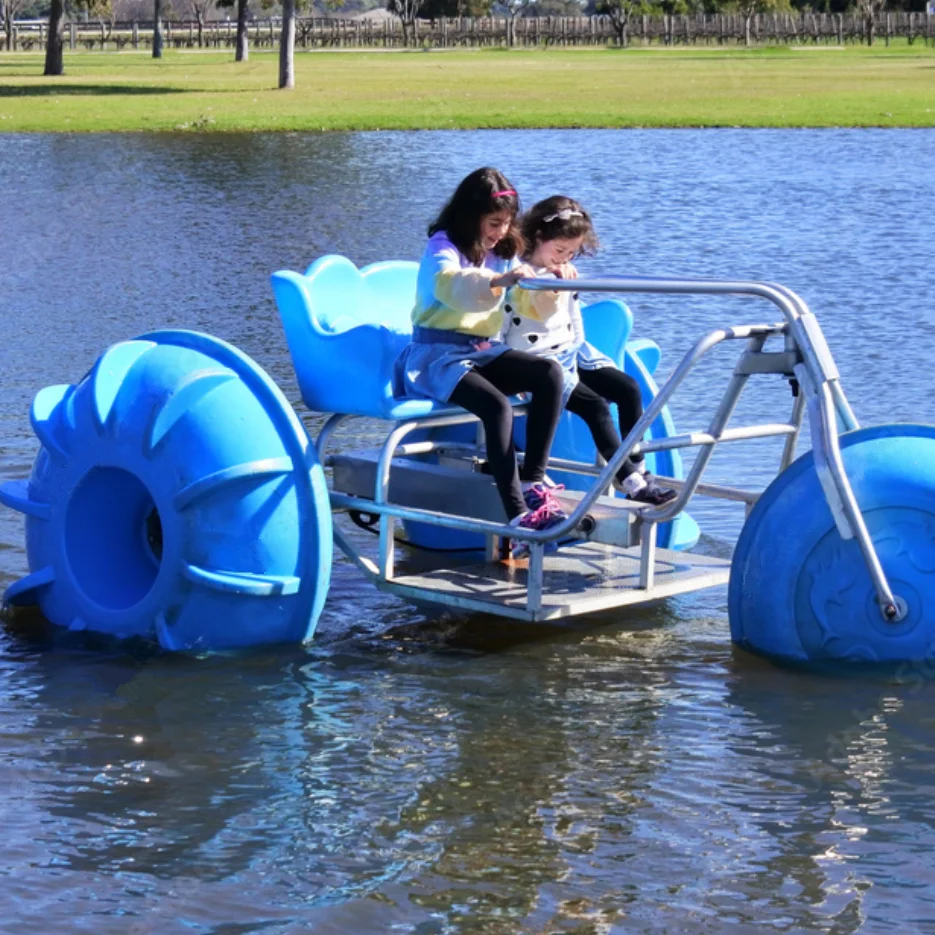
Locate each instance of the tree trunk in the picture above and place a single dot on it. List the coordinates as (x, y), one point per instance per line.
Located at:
(871, 29)
(200, 19)
(287, 46)
(157, 28)
(54, 63)
(746, 30)
(243, 47)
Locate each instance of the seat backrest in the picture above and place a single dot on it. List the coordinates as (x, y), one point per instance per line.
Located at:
(607, 324)
(345, 327)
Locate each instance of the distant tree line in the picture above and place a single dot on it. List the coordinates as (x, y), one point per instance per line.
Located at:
(621, 14)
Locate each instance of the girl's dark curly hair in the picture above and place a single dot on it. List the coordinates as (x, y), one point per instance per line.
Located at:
(557, 218)
(484, 191)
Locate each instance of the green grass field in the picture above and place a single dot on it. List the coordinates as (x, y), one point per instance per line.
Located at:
(776, 87)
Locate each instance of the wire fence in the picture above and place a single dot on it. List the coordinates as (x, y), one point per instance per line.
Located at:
(720, 29)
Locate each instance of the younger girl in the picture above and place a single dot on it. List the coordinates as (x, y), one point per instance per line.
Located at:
(456, 355)
(548, 324)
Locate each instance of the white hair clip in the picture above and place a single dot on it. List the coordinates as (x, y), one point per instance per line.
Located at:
(566, 214)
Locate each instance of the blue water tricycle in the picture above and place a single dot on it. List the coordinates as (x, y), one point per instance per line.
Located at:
(177, 496)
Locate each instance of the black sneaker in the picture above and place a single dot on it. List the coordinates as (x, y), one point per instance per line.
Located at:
(653, 494)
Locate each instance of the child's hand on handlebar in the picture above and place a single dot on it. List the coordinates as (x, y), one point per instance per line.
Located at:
(565, 271)
(512, 277)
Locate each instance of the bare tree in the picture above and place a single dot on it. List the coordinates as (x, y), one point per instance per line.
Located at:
(287, 46)
(513, 9)
(54, 60)
(157, 28)
(750, 8)
(407, 11)
(243, 47)
(128, 11)
(619, 12)
(9, 10)
(869, 9)
(199, 11)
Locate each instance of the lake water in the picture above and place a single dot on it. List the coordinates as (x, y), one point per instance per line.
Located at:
(414, 771)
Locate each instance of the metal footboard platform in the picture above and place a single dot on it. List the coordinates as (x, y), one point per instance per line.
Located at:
(582, 578)
(605, 562)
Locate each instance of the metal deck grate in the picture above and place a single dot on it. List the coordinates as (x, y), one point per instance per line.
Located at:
(581, 578)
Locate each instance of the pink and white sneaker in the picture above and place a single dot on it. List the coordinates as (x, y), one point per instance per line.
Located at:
(539, 495)
(545, 516)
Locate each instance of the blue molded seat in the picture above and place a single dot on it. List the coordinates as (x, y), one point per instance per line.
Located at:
(345, 328)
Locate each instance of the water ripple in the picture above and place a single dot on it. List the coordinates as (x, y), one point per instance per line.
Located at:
(417, 771)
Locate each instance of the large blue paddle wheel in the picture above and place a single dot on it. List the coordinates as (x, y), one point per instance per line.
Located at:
(176, 497)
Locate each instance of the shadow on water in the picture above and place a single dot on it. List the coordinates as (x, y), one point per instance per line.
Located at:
(92, 90)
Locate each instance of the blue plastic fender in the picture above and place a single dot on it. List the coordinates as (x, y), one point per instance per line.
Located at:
(798, 591)
(176, 497)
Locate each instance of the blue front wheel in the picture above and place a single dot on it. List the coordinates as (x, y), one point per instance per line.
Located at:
(798, 591)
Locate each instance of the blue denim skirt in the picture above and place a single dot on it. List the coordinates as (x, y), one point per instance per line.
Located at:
(435, 360)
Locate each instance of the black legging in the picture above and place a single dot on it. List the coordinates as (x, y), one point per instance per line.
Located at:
(484, 392)
(589, 401)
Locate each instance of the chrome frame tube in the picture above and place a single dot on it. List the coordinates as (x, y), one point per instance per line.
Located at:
(604, 477)
(824, 387)
(342, 501)
(327, 430)
(534, 577)
(888, 604)
(650, 414)
(843, 407)
(648, 556)
(795, 420)
(699, 439)
(715, 491)
(718, 424)
(802, 333)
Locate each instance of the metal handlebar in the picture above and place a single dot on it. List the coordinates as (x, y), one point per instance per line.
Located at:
(819, 379)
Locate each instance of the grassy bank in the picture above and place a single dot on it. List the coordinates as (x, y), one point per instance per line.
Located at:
(799, 87)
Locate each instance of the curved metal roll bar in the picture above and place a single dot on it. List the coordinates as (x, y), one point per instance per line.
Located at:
(818, 378)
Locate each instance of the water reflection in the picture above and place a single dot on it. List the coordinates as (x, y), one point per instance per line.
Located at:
(846, 753)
